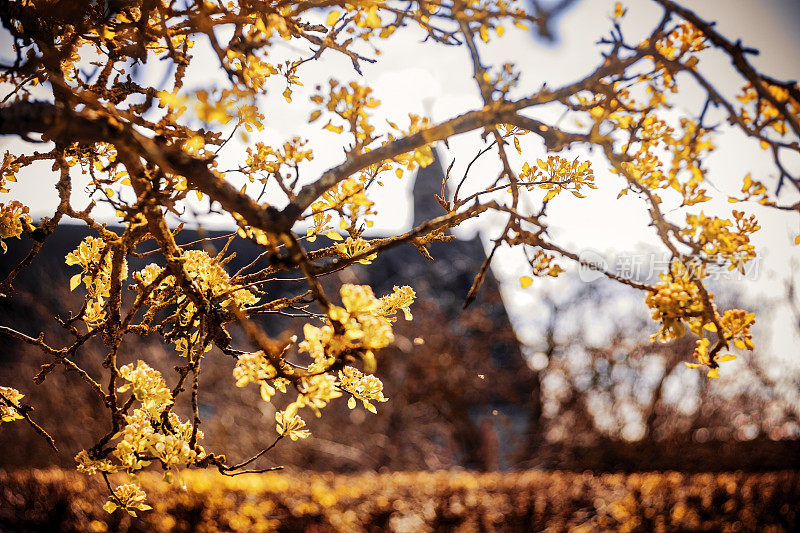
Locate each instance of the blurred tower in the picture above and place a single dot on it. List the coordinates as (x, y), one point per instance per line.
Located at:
(505, 402)
(427, 185)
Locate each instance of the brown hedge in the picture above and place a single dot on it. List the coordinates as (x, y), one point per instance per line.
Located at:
(56, 500)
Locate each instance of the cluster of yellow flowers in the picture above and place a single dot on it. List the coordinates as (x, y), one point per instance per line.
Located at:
(350, 201)
(315, 391)
(217, 106)
(210, 278)
(686, 145)
(558, 174)
(366, 388)
(644, 165)
(736, 327)
(752, 189)
(677, 301)
(12, 217)
(350, 102)
(352, 247)
(148, 434)
(7, 412)
(129, 497)
(364, 321)
(8, 170)
(148, 387)
(400, 299)
(685, 38)
(713, 238)
(766, 114)
(141, 444)
(679, 45)
(542, 264)
(246, 231)
(420, 157)
(270, 160)
(649, 137)
(256, 368)
(364, 324)
(95, 257)
(321, 222)
(365, 18)
(289, 423)
(687, 153)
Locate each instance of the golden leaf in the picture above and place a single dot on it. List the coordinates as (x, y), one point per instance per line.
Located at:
(332, 18)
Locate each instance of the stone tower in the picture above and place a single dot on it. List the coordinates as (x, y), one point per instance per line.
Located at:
(428, 183)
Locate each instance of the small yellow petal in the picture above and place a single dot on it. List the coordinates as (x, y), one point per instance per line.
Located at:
(332, 18)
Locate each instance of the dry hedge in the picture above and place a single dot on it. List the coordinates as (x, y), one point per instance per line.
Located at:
(57, 500)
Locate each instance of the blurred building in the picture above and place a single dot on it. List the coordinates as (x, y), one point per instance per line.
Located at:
(461, 391)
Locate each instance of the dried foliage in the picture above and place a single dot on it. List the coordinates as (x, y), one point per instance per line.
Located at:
(76, 84)
(440, 501)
